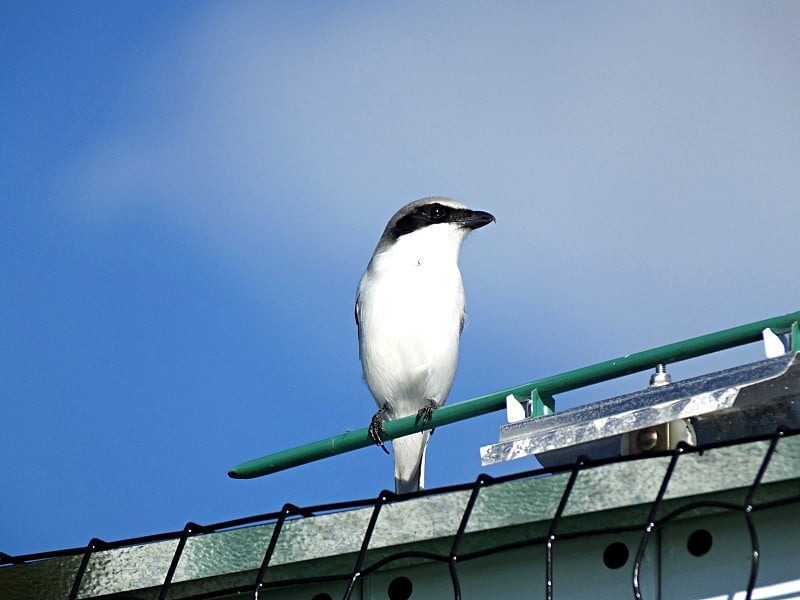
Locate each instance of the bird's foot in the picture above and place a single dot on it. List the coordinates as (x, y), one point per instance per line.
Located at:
(376, 428)
(425, 413)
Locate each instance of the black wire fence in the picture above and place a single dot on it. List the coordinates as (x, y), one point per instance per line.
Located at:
(457, 555)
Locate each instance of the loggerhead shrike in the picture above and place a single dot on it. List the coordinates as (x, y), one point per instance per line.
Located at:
(410, 313)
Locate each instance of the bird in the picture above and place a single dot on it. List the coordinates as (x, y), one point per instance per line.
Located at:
(410, 314)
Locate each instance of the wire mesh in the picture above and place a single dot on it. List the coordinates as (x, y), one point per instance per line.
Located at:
(551, 534)
(455, 556)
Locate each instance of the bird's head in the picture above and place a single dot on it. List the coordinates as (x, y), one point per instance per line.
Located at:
(432, 220)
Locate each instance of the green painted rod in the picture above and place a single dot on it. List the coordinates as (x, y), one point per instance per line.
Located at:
(555, 384)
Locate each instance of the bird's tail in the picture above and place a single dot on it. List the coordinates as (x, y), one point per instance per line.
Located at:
(409, 462)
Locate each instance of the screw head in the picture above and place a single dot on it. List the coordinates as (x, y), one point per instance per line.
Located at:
(647, 439)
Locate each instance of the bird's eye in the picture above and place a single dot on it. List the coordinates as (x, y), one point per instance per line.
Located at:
(437, 213)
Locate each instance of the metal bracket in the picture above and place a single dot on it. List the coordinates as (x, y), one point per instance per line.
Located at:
(537, 406)
(751, 399)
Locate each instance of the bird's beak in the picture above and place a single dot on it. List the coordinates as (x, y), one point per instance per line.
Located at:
(476, 218)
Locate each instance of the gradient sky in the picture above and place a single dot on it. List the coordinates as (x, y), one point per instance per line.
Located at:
(190, 192)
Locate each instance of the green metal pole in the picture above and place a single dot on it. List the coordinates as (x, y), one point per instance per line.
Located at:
(548, 386)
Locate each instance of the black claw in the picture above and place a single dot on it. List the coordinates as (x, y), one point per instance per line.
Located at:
(376, 428)
(425, 413)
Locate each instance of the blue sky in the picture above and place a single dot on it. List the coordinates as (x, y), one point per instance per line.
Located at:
(190, 192)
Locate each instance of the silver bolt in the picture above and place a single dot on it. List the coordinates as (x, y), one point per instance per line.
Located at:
(647, 439)
(660, 377)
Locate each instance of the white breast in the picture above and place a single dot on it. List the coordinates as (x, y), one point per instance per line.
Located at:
(411, 303)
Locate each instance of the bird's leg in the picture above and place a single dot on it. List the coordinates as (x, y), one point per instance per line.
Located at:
(425, 413)
(376, 427)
